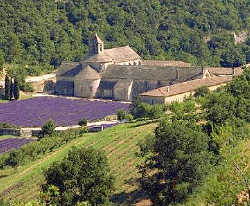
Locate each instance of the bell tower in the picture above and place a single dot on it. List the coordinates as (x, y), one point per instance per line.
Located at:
(96, 45)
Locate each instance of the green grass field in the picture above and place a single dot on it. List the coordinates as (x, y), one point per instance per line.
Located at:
(119, 144)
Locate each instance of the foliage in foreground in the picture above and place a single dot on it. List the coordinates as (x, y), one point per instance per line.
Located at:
(227, 184)
(35, 149)
(174, 162)
(83, 176)
(48, 128)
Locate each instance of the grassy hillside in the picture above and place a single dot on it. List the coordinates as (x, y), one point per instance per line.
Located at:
(120, 145)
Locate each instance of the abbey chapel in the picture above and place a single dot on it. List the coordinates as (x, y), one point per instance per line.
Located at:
(120, 74)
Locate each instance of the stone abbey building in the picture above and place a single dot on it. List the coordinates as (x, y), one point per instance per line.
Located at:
(120, 74)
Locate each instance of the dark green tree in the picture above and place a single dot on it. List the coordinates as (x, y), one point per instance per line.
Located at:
(174, 161)
(48, 128)
(16, 90)
(220, 108)
(83, 176)
(83, 122)
(7, 87)
(1, 60)
(11, 89)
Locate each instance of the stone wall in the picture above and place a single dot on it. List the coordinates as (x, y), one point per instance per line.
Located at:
(86, 88)
(174, 98)
(64, 87)
(45, 83)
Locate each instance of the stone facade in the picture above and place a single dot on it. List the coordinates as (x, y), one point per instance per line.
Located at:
(121, 74)
(180, 91)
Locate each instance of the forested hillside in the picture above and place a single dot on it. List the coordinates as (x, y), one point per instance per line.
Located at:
(198, 31)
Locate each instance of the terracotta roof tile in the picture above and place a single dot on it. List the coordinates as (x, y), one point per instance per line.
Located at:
(184, 87)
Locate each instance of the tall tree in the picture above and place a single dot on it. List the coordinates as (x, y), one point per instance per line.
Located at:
(83, 176)
(174, 161)
(1, 60)
(7, 87)
(11, 89)
(16, 90)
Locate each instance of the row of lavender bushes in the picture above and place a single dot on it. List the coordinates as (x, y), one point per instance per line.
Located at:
(34, 150)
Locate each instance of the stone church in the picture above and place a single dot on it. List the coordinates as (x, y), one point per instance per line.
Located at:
(118, 74)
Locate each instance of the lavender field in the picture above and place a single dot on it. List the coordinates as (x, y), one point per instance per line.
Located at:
(65, 112)
(12, 143)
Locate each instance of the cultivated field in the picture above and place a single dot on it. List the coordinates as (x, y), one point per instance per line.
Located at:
(35, 112)
(120, 145)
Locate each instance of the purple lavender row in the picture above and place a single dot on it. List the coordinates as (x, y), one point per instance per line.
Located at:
(36, 111)
(12, 143)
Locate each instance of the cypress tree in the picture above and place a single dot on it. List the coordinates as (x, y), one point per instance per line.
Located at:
(11, 89)
(16, 90)
(7, 87)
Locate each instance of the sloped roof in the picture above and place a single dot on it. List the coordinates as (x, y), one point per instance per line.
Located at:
(184, 87)
(97, 58)
(116, 55)
(122, 54)
(165, 63)
(224, 71)
(68, 69)
(141, 72)
(88, 73)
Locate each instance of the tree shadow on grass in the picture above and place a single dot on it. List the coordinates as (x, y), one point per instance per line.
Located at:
(143, 123)
(2, 176)
(129, 198)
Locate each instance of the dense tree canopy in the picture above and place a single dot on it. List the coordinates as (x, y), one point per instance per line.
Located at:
(175, 161)
(83, 176)
(49, 32)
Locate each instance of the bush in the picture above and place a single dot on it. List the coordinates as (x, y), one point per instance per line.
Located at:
(121, 115)
(26, 87)
(129, 117)
(35, 149)
(83, 122)
(201, 92)
(48, 128)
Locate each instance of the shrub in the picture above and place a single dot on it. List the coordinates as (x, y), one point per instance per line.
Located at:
(121, 115)
(26, 87)
(33, 150)
(48, 128)
(83, 122)
(201, 91)
(129, 117)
